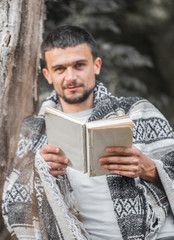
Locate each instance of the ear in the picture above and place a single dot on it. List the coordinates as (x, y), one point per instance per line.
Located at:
(97, 65)
(47, 75)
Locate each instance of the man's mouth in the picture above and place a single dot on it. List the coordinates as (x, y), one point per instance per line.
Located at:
(72, 88)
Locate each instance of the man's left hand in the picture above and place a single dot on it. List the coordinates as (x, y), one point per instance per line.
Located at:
(130, 162)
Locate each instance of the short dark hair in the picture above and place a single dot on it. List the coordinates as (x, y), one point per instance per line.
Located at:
(66, 36)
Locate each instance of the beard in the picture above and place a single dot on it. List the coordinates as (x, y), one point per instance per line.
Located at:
(79, 99)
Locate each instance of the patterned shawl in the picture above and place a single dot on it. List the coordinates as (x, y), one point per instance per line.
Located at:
(39, 206)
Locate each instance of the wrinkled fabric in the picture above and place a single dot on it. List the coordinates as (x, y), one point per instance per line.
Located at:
(37, 205)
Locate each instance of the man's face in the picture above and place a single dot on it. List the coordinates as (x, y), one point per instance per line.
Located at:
(72, 72)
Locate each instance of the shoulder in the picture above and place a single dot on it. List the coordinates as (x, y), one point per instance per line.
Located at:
(32, 136)
(135, 106)
(126, 104)
(33, 123)
(33, 127)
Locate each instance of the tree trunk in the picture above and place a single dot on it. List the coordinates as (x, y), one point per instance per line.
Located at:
(21, 28)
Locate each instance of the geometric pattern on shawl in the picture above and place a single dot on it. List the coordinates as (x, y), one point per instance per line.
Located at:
(137, 217)
(129, 198)
(29, 207)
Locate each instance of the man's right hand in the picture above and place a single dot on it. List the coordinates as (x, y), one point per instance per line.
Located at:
(57, 163)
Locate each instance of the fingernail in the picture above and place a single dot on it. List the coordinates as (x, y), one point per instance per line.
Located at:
(101, 160)
(66, 160)
(57, 150)
(108, 149)
(103, 166)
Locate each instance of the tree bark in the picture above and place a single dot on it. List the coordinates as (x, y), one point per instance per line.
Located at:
(21, 27)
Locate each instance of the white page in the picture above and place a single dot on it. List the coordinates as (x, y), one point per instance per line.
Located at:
(70, 137)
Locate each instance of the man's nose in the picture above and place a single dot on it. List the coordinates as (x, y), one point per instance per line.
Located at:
(70, 74)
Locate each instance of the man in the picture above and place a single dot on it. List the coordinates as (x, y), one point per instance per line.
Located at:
(130, 203)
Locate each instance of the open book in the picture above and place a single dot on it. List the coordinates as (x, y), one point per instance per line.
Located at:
(84, 143)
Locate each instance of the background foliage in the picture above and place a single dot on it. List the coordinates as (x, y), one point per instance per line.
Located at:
(135, 40)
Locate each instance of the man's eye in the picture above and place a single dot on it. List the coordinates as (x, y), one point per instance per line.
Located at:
(79, 65)
(60, 69)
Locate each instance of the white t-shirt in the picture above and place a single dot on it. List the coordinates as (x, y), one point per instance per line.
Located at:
(95, 205)
(93, 198)
(167, 229)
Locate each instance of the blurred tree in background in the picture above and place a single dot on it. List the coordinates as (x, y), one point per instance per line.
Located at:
(135, 40)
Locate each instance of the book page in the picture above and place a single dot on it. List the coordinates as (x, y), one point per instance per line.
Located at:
(70, 137)
(57, 112)
(99, 139)
(121, 120)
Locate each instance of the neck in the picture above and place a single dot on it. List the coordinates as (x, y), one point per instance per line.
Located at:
(78, 107)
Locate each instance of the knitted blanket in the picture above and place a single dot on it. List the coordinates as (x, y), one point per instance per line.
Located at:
(37, 205)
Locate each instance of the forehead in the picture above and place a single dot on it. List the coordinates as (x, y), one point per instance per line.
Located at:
(68, 54)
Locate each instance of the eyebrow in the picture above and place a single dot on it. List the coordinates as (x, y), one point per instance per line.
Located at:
(72, 63)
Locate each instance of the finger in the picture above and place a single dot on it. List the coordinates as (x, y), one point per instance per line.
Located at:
(125, 173)
(56, 165)
(57, 172)
(49, 149)
(117, 167)
(55, 158)
(119, 160)
(123, 151)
